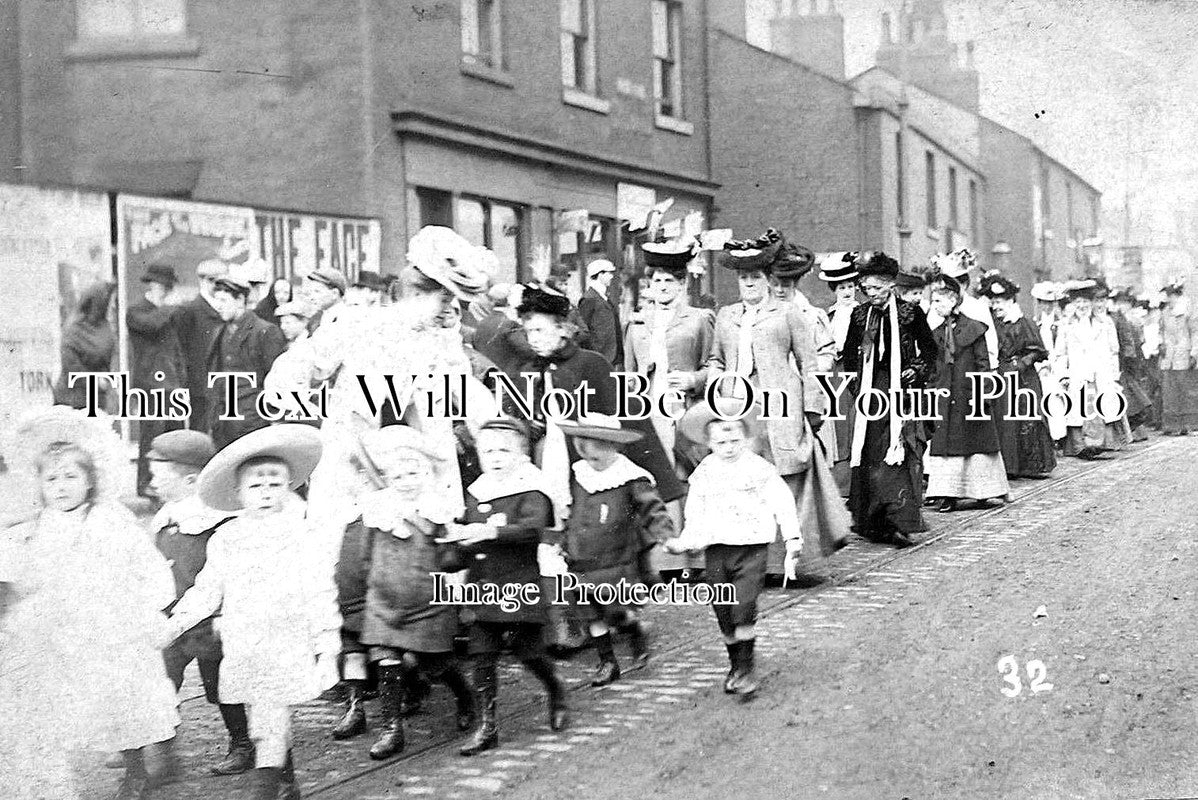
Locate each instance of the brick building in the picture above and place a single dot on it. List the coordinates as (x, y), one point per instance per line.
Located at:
(493, 116)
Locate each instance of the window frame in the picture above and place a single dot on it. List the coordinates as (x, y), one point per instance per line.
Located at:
(671, 61)
(900, 184)
(137, 42)
(931, 210)
(495, 58)
(954, 218)
(973, 211)
(569, 42)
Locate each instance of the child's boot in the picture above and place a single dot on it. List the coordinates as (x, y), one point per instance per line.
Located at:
(746, 684)
(240, 757)
(637, 641)
(288, 786)
(133, 784)
(559, 714)
(452, 677)
(353, 721)
(391, 688)
(734, 672)
(608, 669)
(485, 680)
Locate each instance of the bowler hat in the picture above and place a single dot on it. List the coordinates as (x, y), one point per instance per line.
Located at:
(297, 445)
(182, 447)
(160, 273)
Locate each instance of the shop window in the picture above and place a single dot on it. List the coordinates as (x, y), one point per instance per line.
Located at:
(667, 48)
(578, 45)
(482, 32)
(130, 19)
(435, 207)
(496, 226)
(600, 238)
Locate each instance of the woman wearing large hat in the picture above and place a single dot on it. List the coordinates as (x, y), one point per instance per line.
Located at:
(1087, 359)
(890, 348)
(1026, 445)
(669, 342)
(770, 345)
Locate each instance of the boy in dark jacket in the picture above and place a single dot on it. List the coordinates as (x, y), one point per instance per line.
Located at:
(182, 530)
(615, 515)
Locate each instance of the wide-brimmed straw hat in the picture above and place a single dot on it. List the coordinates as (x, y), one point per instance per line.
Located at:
(599, 426)
(296, 445)
(1048, 291)
(694, 422)
(839, 270)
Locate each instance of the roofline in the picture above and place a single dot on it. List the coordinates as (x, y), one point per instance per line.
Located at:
(839, 82)
(1012, 131)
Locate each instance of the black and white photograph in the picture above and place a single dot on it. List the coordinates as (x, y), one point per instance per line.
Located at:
(543, 399)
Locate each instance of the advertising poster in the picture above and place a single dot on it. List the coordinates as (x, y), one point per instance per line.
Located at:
(293, 245)
(54, 245)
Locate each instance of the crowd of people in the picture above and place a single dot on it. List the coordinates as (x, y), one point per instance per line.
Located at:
(288, 559)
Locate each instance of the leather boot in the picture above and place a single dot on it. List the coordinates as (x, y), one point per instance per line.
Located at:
(452, 677)
(133, 783)
(608, 669)
(240, 757)
(638, 642)
(559, 714)
(391, 688)
(288, 786)
(486, 735)
(734, 671)
(266, 783)
(161, 763)
(353, 721)
(416, 691)
(746, 684)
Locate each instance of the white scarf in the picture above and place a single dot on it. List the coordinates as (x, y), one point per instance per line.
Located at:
(894, 453)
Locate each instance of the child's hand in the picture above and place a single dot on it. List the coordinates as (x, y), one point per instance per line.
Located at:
(794, 549)
(469, 534)
(676, 546)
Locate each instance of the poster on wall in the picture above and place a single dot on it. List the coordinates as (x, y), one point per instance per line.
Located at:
(54, 246)
(294, 245)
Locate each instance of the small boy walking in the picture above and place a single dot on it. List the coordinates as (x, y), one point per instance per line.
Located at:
(736, 506)
(616, 515)
(267, 572)
(182, 529)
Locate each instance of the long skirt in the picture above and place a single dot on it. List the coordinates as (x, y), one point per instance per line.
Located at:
(885, 498)
(1026, 445)
(1179, 400)
(976, 477)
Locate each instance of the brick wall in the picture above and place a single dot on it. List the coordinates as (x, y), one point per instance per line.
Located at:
(784, 149)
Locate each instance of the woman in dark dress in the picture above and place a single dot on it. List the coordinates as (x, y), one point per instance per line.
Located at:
(964, 460)
(886, 454)
(87, 346)
(1027, 449)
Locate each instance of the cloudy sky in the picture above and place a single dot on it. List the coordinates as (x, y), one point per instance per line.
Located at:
(1115, 82)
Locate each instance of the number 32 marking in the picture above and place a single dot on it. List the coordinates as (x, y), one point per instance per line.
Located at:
(1036, 673)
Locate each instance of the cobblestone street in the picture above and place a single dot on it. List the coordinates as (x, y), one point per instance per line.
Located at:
(825, 652)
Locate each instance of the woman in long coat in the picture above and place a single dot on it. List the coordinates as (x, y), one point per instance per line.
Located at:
(1026, 446)
(1087, 358)
(770, 345)
(1178, 359)
(841, 278)
(964, 460)
(669, 342)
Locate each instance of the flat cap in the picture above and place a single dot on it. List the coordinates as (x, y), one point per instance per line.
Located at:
(182, 447)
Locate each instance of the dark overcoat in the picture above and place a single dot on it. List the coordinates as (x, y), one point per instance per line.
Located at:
(252, 347)
(512, 556)
(199, 323)
(608, 530)
(955, 434)
(155, 346)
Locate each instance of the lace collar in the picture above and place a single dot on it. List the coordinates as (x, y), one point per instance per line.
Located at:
(621, 472)
(524, 478)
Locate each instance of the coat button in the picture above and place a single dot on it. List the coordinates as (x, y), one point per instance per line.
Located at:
(480, 556)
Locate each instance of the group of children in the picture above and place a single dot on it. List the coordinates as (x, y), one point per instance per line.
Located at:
(271, 624)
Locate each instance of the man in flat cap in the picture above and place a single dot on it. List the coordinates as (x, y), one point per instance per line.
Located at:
(325, 288)
(157, 357)
(246, 343)
(599, 316)
(366, 291)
